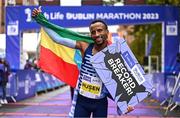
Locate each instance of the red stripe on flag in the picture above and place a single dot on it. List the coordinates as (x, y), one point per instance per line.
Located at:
(55, 65)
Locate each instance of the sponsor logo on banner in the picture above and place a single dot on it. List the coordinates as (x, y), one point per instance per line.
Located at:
(27, 85)
(13, 28)
(28, 11)
(128, 59)
(137, 75)
(135, 70)
(172, 29)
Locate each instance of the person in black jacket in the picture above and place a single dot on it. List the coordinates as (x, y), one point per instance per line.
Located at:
(4, 73)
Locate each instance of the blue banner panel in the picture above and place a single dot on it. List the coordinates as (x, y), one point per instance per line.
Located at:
(176, 97)
(40, 82)
(26, 84)
(57, 82)
(12, 88)
(81, 16)
(48, 80)
(176, 91)
(45, 81)
(171, 44)
(12, 37)
(159, 86)
(169, 85)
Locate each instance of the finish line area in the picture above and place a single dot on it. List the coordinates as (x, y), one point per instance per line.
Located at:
(57, 103)
(32, 93)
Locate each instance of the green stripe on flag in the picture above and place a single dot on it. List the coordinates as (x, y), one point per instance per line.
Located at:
(63, 31)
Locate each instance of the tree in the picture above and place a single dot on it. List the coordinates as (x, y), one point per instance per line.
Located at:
(138, 45)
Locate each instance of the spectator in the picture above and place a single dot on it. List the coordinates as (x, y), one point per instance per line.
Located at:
(4, 74)
(28, 65)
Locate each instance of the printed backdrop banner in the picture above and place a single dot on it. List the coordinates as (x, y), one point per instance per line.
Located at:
(81, 16)
(26, 84)
(13, 37)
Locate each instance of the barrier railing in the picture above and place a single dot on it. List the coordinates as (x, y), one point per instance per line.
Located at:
(167, 90)
(27, 83)
(174, 97)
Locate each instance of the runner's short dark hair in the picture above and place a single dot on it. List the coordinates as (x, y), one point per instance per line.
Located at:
(99, 20)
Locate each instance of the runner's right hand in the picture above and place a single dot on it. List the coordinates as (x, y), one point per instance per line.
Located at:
(36, 11)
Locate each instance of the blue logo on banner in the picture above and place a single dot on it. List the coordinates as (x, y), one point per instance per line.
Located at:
(172, 29)
(128, 59)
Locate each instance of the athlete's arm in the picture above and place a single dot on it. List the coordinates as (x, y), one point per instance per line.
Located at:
(54, 36)
(61, 40)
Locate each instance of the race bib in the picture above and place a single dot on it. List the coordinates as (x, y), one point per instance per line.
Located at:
(91, 87)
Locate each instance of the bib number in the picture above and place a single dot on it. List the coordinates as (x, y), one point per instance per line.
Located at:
(91, 87)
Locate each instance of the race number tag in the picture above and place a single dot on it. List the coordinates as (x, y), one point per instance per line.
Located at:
(91, 87)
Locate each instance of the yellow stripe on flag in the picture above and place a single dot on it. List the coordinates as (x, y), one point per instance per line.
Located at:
(67, 54)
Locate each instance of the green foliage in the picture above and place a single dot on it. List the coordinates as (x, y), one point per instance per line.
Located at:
(163, 2)
(138, 45)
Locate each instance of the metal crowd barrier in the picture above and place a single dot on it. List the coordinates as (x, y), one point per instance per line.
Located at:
(174, 97)
(167, 90)
(27, 83)
(11, 88)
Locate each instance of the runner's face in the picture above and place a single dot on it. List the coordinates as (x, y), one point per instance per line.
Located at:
(99, 33)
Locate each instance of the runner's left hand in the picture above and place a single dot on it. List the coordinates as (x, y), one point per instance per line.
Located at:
(129, 109)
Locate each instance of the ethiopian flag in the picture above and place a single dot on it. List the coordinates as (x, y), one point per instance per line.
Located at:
(57, 59)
